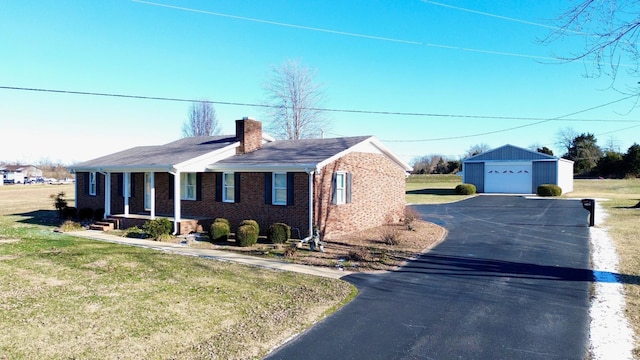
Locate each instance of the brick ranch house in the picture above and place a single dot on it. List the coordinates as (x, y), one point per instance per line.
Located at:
(338, 184)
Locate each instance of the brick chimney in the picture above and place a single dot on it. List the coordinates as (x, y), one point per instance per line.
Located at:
(249, 133)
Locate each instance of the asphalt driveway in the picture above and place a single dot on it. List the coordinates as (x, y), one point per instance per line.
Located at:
(511, 281)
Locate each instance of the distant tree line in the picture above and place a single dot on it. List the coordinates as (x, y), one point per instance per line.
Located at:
(591, 160)
(435, 164)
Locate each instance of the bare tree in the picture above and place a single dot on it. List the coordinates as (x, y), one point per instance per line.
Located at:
(477, 149)
(610, 29)
(565, 137)
(295, 99)
(202, 120)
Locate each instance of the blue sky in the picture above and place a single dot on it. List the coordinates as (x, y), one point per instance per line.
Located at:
(405, 56)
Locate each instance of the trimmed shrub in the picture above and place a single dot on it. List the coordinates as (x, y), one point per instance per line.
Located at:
(252, 223)
(278, 233)
(219, 231)
(465, 189)
(549, 190)
(98, 214)
(69, 212)
(223, 220)
(155, 228)
(85, 214)
(246, 236)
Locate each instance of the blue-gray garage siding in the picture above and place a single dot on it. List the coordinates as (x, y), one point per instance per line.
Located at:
(474, 174)
(544, 172)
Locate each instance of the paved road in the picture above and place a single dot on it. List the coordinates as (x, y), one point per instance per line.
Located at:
(511, 281)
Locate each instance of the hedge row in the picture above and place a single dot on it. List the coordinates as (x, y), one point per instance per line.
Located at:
(248, 231)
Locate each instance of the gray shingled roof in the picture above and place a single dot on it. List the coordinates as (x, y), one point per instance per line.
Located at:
(292, 153)
(161, 155)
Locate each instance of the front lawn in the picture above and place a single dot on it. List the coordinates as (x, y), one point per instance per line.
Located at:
(433, 189)
(65, 297)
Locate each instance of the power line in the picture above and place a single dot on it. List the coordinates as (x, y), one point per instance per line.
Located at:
(615, 131)
(344, 33)
(269, 22)
(350, 111)
(501, 17)
(513, 128)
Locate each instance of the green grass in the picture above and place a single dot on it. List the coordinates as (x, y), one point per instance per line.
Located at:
(66, 297)
(433, 189)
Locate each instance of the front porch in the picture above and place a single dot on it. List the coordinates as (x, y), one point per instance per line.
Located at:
(186, 225)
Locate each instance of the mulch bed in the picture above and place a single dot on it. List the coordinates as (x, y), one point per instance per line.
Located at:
(362, 251)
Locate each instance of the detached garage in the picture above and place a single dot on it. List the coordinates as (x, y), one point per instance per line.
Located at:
(513, 170)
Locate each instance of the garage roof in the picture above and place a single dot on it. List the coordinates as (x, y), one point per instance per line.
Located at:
(510, 152)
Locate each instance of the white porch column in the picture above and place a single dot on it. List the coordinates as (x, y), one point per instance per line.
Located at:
(107, 194)
(126, 191)
(152, 179)
(176, 202)
(311, 173)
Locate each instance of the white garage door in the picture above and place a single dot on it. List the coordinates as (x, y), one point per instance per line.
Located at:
(509, 178)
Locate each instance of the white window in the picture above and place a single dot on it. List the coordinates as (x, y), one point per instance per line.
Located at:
(228, 187)
(93, 183)
(279, 194)
(341, 188)
(187, 186)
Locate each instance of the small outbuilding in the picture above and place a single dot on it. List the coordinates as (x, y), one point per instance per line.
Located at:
(513, 170)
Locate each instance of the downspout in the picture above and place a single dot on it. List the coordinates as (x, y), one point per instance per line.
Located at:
(310, 229)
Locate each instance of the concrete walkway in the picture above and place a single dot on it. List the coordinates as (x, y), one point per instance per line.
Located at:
(183, 249)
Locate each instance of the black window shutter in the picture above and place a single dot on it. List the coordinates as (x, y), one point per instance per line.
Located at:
(268, 188)
(348, 189)
(120, 180)
(334, 185)
(290, 193)
(218, 187)
(172, 184)
(86, 183)
(199, 186)
(132, 185)
(236, 188)
(97, 183)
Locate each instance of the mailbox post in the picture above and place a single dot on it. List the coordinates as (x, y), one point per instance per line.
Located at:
(590, 205)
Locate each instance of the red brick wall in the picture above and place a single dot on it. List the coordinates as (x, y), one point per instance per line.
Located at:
(83, 199)
(377, 197)
(249, 133)
(136, 202)
(377, 194)
(251, 206)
